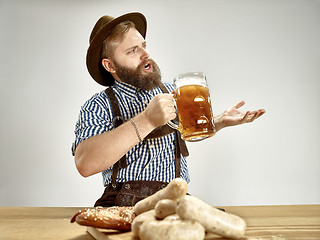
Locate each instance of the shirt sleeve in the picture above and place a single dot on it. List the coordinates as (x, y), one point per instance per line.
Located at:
(94, 119)
(169, 86)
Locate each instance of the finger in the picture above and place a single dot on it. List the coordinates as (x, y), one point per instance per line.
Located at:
(172, 115)
(253, 117)
(166, 101)
(239, 104)
(262, 111)
(255, 114)
(259, 113)
(170, 108)
(166, 95)
(245, 117)
(162, 97)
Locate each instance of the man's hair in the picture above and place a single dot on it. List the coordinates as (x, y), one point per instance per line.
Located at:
(116, 35)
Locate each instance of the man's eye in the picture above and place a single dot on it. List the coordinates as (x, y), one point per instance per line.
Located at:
(132, 50)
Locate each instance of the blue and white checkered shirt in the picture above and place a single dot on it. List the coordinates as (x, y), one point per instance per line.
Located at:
(149, 160)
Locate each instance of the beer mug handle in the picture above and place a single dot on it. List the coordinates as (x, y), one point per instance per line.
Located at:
(175, 122)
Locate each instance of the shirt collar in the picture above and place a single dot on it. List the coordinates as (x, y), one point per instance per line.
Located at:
(127, 89)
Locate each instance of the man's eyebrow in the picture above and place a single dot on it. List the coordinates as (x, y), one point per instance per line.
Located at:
(132, 47)
(144, 43)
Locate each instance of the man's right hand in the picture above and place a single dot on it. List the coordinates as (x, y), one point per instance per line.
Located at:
(160, 110)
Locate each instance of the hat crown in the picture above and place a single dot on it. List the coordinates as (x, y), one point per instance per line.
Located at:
(104, 20)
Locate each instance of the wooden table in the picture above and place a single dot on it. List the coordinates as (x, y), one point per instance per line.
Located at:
(264, 222)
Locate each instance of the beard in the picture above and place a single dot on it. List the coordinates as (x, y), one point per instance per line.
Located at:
(137, 77)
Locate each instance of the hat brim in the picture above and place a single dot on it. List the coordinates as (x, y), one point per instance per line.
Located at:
(97, 72)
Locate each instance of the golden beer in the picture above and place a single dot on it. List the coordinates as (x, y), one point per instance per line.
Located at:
(195, 112)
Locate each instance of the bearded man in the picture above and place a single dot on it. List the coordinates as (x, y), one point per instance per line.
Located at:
(122, 130)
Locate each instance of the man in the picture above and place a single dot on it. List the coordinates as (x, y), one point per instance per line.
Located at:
(122, 131)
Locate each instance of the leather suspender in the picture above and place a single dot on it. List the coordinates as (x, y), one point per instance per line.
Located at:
(180, 145)
(117, 121)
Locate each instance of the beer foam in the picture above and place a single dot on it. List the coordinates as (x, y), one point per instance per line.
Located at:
(192, 80)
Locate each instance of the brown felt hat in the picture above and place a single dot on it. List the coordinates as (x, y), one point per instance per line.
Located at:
(99, 33)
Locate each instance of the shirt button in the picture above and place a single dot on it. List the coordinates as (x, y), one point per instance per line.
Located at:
(145, 102)
(151, 146)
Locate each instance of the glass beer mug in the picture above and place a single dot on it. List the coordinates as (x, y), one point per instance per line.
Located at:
(193, 104)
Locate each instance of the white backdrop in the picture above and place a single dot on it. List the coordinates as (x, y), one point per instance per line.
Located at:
(265, 52)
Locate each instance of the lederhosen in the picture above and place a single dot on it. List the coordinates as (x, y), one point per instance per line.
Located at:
(130, 192)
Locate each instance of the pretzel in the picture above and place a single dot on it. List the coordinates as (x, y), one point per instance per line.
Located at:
(118, 218)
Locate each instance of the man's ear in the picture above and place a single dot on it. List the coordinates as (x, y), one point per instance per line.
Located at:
(108, 65)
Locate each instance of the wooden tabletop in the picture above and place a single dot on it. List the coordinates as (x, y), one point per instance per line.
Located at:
(264, 222)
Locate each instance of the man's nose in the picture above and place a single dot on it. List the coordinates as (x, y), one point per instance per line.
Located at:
(144, 54)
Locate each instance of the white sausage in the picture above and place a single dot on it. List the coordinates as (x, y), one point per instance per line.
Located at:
(172, 230)
(138, 220)
(214, 220)
(172, 217)
(164, 208)
(177, 188)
